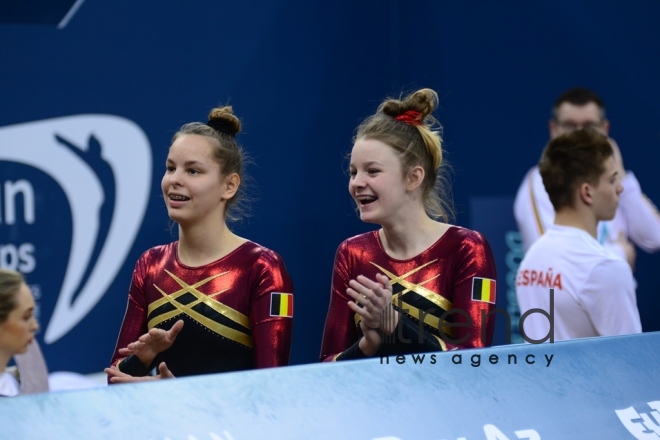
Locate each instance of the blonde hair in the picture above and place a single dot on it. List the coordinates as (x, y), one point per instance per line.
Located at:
(417, 143)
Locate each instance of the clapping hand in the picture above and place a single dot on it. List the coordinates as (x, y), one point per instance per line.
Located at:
(376, 312)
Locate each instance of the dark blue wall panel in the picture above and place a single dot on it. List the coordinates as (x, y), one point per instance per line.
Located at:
(302, 76)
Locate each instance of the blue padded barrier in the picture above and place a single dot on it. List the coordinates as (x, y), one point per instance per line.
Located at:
(599, 388)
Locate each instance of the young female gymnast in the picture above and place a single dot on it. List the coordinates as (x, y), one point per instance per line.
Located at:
(212, 301)
(417, 284)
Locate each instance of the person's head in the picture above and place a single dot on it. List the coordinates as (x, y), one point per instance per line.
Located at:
(578, 169)
(204, 170)
(576, 109)
(397, 158)
(17, 321)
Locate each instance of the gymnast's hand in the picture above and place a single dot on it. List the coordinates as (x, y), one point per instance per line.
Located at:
(376, 299)
(117, 376)
(157, 340)
(371, 341)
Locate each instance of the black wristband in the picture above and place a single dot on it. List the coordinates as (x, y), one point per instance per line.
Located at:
(351, 353)
(133, 365)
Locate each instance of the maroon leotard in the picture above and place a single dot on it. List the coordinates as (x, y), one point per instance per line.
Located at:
(230, 323)
(446, 276)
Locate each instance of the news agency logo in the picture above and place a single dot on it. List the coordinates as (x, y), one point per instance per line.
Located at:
(103, 165)
(644, 425)
(446, 322)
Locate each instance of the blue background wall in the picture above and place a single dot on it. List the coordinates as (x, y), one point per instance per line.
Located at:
(301, 76)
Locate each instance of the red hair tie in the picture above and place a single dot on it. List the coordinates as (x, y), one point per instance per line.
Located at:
(411, 117)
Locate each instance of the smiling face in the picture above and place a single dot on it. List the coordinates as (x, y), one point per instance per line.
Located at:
(18, 330)
(193, 186)
(377, 183)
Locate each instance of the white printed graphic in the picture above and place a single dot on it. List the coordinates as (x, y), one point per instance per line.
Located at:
(493, 433)
(642, 425)
(50, 146)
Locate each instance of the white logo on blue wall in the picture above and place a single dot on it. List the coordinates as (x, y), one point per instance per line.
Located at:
(103, 165)
(642, 425)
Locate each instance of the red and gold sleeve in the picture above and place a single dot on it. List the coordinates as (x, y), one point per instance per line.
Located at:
(271, 311)
(474, 294)
(340, 332)
(134, 324)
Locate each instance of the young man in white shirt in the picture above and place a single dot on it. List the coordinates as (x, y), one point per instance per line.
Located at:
(593, 291)
(636, 220)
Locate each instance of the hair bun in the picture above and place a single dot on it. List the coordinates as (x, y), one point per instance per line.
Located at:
(424, 101)
(393, 107)
(222, 119)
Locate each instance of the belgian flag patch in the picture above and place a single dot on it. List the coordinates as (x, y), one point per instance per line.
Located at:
(483, 289)
(281, 304)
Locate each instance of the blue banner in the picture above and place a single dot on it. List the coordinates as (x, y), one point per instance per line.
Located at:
(600, 388)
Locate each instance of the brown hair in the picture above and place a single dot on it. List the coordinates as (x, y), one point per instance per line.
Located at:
(222, 128)
(415, 145)
(579, 96)
(570, 160)
(10, 284)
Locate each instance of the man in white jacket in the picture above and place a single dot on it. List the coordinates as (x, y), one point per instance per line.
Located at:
(568, 285)
(636, 220)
